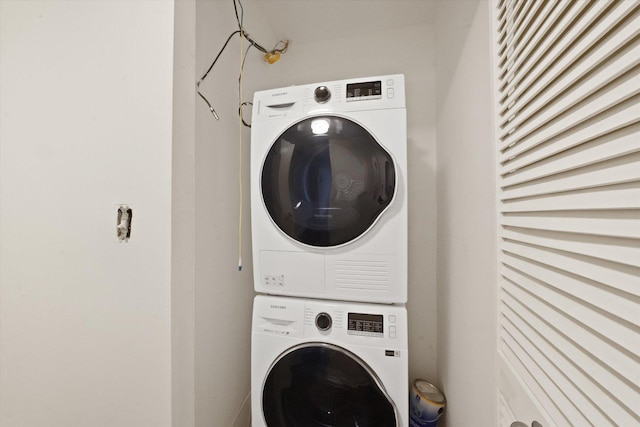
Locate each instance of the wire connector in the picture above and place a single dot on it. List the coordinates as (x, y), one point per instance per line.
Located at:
(271, 57)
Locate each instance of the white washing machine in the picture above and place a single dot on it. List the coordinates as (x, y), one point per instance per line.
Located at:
(329, 190)
(326, 363)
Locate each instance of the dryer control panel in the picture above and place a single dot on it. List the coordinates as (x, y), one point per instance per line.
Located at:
(364, 90)
(339, 96)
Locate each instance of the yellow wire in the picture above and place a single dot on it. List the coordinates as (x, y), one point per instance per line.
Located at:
(240, 157)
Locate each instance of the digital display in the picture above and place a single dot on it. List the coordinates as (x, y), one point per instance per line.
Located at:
(366, 90)
(365, 324)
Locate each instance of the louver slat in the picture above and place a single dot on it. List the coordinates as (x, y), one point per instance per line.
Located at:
(567, 76)
(622, 278)
(570, 53)
(606, 54)
(551, 32)
(560, 157)
(620, 250)
(618, 170)
(592, 380)
(565, 118)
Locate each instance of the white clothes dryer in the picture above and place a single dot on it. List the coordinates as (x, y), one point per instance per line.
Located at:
(329, 190)
(326, 363)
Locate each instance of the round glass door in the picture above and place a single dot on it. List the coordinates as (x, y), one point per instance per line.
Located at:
(322, 385)
(326, 180)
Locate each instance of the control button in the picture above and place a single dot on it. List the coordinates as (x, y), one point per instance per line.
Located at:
(323, 321)
(390, 92)
(392, 318)
(392, 331)
(322, 94)
(274, 280)
(389, 82)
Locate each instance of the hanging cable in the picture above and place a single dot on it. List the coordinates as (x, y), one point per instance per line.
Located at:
(209, 70)
(244, 104)
(241, 122)
(240, 102)
(239, 19)
(270, 56)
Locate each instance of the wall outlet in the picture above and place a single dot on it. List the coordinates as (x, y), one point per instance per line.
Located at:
(123, 224)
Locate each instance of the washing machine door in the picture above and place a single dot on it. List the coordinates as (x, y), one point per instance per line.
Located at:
(322, 385)
(326, 180)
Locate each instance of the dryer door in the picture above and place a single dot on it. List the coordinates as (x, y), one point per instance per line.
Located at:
(326, 180)
(323, 385)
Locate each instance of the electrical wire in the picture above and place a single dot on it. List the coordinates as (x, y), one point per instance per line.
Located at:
(244, 104)
(241, 103)
(270, 56)
(241, 18)
(243, 56)
(204, 76)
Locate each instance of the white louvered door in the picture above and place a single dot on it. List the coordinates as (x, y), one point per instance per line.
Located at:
(567, 77)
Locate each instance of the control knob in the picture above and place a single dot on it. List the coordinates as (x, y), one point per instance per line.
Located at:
(323, 321)
(322, 94)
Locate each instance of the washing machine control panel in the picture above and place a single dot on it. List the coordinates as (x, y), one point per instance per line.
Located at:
(346, 322)
(365, 324)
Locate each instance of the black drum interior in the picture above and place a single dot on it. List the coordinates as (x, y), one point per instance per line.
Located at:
(326, 180)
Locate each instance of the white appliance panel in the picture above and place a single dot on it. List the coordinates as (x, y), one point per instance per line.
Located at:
(375, 335)
(371, 267)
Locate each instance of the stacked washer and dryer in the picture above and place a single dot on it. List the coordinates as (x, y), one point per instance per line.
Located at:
(329, 340)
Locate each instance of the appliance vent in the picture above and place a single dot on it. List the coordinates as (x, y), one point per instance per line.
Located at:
(360, 274)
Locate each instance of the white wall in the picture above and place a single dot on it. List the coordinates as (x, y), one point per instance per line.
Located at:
(86, 104)
(466, 214)
(223, 295)
(183, 232)
(86, 124)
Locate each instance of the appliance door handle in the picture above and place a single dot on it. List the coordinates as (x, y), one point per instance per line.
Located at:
(282, 106)
(388, 184)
